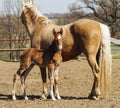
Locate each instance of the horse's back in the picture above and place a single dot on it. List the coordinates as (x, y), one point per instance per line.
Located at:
(86, 26)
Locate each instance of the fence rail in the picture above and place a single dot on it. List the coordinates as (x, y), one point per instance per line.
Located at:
(13, 53)
(2, 40)
(113, 40)
(16, 49)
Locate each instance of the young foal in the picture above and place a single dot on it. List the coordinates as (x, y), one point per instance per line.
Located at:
(50, 58)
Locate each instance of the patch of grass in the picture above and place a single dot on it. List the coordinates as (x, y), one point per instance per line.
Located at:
(115, 51)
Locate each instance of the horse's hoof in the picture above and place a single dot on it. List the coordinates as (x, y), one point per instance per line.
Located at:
(93, 97)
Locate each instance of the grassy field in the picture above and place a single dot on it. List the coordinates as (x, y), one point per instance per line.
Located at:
(115, 51)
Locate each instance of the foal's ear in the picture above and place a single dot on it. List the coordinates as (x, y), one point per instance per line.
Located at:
(61, 31)
(54, 32)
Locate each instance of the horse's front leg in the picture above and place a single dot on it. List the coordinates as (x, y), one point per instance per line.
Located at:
(56, 82)
(44, 83)
(23, 78)
(51, 77)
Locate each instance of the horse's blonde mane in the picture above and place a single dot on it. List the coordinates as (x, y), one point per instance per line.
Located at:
(43, 20)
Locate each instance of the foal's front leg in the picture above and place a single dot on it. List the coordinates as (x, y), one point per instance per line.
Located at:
(56, 82)
(51, 76)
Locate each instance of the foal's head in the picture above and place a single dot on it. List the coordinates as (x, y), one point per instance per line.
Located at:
(58, 38)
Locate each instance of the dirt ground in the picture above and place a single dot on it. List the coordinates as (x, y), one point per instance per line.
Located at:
(75, 84)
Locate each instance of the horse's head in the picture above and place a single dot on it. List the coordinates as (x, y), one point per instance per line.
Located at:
(28, 11)
(58, 38)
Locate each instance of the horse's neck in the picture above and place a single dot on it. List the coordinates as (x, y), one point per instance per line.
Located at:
(30, 25)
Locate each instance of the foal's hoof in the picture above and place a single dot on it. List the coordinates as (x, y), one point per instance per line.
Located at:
(26, 98)
(43, 97)
(53, 98)
(13, 97)
(58, 97)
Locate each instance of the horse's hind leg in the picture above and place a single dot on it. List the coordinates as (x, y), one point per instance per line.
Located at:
(95, 92)
(23, 78)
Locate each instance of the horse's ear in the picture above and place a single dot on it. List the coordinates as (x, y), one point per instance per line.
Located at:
(31, 1)
(61, 31)
(54, 32)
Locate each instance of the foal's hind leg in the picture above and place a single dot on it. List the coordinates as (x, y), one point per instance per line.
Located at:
(95, 92)
(15, 77)
(23, 78)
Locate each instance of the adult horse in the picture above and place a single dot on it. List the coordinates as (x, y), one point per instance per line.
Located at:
(83, 36)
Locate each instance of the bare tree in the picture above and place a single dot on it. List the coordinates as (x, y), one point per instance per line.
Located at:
(107, 11)
(7, 5)
(12, 27)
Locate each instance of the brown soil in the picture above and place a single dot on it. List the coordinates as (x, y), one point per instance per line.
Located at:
(75, 84)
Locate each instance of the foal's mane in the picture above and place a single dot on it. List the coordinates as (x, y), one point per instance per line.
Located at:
(51, 48)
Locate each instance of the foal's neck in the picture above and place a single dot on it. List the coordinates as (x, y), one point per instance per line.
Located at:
(54, 49)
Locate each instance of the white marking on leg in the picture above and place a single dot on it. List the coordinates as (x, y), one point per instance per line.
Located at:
(26, 98)
(56, 85)
(51, 92)
(13, 96)
(56, 72)
(44, 95)
(14, 86)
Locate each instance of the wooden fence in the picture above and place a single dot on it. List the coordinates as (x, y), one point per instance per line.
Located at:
(16, 50)
(113, 40)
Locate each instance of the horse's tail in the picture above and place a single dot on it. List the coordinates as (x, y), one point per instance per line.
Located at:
(105, 60)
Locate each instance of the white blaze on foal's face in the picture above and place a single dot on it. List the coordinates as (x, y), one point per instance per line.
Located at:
(59, 42)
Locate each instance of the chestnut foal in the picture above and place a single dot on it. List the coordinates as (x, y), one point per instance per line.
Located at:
(50, 58)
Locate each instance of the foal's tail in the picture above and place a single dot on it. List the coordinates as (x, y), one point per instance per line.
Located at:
(105, 60)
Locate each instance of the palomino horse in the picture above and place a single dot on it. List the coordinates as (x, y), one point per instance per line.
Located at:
(50, 58)
(83, 36)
